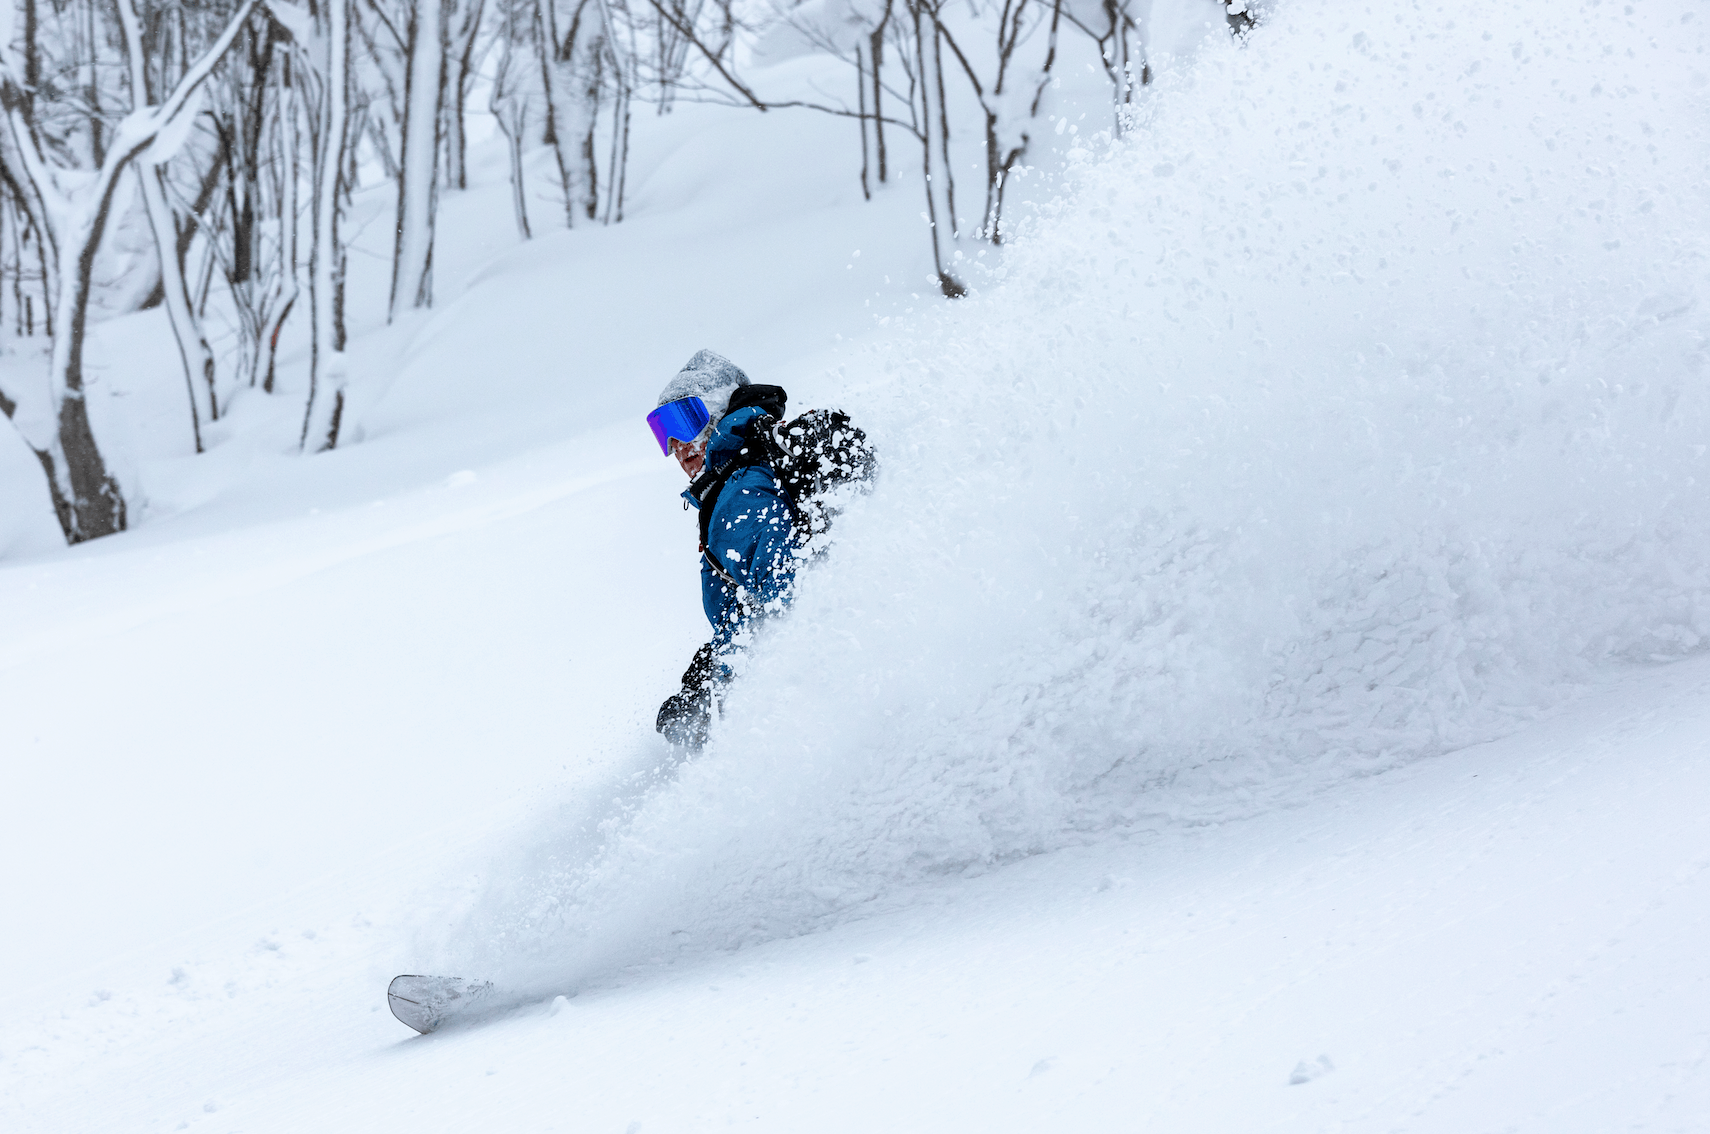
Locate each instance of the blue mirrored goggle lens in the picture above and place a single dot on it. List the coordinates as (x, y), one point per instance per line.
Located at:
(683, 419)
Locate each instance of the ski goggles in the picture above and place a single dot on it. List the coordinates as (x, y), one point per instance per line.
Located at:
(683, 419)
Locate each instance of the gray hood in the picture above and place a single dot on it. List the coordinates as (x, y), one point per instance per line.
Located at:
(708, 376)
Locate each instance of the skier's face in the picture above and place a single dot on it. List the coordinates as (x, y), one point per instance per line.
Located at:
(692, 458)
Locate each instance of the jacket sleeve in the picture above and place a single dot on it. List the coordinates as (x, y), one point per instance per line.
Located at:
(749, 537)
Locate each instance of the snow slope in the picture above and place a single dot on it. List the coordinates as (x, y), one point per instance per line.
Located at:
(1371, 436)
(1343, 421)
(1507, 938)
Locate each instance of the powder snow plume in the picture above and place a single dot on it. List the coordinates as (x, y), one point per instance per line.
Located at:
(1351, 409)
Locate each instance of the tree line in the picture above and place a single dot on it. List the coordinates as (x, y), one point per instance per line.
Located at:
(212, 147)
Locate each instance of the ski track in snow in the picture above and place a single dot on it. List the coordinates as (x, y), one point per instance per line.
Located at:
(1134, 762)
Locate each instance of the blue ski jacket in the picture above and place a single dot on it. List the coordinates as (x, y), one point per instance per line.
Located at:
(748, 535)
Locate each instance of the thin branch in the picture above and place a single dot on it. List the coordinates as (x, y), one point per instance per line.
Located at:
(380, 12)
(688, 33)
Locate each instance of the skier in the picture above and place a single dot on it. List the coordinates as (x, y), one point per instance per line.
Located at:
(704, 419)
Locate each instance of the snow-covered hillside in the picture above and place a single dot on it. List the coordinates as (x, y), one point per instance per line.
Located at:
(1507, 938)
(1252, 697)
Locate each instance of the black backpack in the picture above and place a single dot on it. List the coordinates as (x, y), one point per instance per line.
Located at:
(809, 455)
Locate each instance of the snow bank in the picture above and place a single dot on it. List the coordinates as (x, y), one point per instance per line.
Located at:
(1353, 410)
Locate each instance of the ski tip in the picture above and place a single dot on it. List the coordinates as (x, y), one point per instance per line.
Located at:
(426, 1002)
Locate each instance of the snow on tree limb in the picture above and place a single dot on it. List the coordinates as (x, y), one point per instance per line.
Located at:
(294, 19)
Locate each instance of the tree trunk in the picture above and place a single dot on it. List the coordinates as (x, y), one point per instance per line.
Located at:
(418, 182)
(935, 134)
(325, 408)
(512, 116)
(1124, 59)
(620, 152)
(509, 107)
(289, 145)
(1007, 133)
(92, 91)
(92, 495)
(861, 103)
(623, 80)
(193, 350)
(570, 73)
(462, 56)
(876, 43)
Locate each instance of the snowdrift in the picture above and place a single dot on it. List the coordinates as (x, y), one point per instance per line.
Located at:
(1351, 409)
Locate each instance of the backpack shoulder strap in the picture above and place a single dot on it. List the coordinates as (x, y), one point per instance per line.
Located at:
(710, 485)
(707, 488)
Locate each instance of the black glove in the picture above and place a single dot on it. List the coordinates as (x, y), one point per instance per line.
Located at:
(702, 670)
(685, 715)
(772, 399)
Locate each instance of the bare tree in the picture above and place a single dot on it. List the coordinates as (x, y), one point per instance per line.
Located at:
(378, 76)
(461, 60)
(321, 42)
(941, 215)
(1119, 36)
(258, 133)
(624, 83)
(1004, 50)
(418, 180)
(324, 410)
(869, 67)
(72, 211)
(1008, 122)
(513, 95)
(193, 350)
(319, 90)
(573, 56)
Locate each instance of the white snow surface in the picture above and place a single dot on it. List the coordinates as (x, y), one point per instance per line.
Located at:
(1263, 690)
